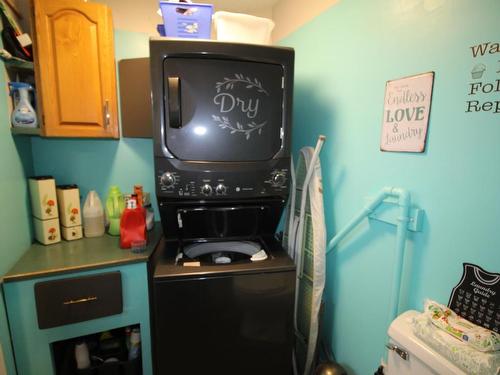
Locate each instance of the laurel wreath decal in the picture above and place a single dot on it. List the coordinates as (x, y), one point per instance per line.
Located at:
(224, 123)
(228, 83)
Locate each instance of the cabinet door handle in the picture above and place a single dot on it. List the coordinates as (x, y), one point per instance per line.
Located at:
(107, 116)
(81, 300)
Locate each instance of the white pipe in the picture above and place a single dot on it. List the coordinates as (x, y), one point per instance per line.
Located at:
(403, 219)
(367, 210)
(401, 234)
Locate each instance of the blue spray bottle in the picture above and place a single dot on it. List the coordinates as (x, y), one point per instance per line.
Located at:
(23, 114)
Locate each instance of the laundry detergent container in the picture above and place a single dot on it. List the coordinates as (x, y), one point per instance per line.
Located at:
(410, 355)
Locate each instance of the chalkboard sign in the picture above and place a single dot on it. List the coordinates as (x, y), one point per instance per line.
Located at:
(476, 297)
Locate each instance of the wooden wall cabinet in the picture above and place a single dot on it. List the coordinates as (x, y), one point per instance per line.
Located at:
(75, 69)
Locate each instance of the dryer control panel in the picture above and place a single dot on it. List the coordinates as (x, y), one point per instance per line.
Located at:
(234, 182)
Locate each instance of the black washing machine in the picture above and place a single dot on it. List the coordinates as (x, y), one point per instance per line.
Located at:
(222, 286)
(219, 312)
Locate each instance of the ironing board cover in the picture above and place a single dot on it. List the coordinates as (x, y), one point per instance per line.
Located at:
(312, 281)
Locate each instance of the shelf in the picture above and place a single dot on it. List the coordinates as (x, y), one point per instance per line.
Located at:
(18, 64)
(25, 131)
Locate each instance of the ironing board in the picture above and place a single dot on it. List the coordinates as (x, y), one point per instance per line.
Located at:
(311, 255)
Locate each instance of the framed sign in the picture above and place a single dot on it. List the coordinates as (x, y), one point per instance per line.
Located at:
(407, 105)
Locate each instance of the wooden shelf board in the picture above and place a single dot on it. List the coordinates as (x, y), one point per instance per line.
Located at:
(15, 63)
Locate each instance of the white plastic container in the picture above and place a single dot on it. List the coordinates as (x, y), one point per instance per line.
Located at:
(93, 215)
(82, 356)
(135, 344)
(242, 28)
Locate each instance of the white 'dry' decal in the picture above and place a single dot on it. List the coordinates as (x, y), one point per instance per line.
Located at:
(227, 102)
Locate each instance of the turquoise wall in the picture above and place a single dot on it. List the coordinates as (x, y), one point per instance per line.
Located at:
(15, 165)
(343, 59)
(15, 231)
(97, 164)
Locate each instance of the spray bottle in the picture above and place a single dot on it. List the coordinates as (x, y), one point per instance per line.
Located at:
(23, 114)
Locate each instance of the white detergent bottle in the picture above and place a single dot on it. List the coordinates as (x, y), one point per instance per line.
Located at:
(23, 115)
(93, 215)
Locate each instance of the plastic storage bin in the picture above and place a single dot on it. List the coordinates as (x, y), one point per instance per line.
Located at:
(161, 29)
(187, 20)
(243, 28)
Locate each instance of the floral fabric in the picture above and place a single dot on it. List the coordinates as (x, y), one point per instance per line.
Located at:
(461, 354)
(446, 319)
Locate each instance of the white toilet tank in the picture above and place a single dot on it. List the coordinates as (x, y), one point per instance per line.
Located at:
(420, 358)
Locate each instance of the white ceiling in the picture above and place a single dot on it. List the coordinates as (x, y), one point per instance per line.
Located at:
(244, 6)
(141, 16)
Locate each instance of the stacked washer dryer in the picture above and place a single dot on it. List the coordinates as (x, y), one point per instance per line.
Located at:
(222, 285)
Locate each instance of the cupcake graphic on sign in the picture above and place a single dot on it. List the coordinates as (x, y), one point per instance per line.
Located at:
(478, 71)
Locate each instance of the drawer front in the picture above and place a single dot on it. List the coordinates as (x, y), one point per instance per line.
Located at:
(78, 299)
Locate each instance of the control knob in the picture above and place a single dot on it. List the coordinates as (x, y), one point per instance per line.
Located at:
(220, 189)
(278, 179)
(167, 180)
(206, 190)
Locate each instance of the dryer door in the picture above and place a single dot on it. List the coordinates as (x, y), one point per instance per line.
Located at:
(222, 110)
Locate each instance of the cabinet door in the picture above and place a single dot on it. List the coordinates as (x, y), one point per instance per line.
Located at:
(74, 62)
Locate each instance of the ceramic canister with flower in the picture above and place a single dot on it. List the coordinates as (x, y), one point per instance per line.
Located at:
(68, 198)
(47, 231)
(44, 209)
(43, 197)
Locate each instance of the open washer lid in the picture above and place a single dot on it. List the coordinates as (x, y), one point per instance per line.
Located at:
(224, 222)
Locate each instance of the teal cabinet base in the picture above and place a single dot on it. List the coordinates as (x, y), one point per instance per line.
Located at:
(32, 346)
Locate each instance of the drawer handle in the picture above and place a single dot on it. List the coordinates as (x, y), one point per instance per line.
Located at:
(81, 300)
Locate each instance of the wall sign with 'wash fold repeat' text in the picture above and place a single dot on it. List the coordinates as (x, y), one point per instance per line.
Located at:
(484, 79)
(407, 105)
